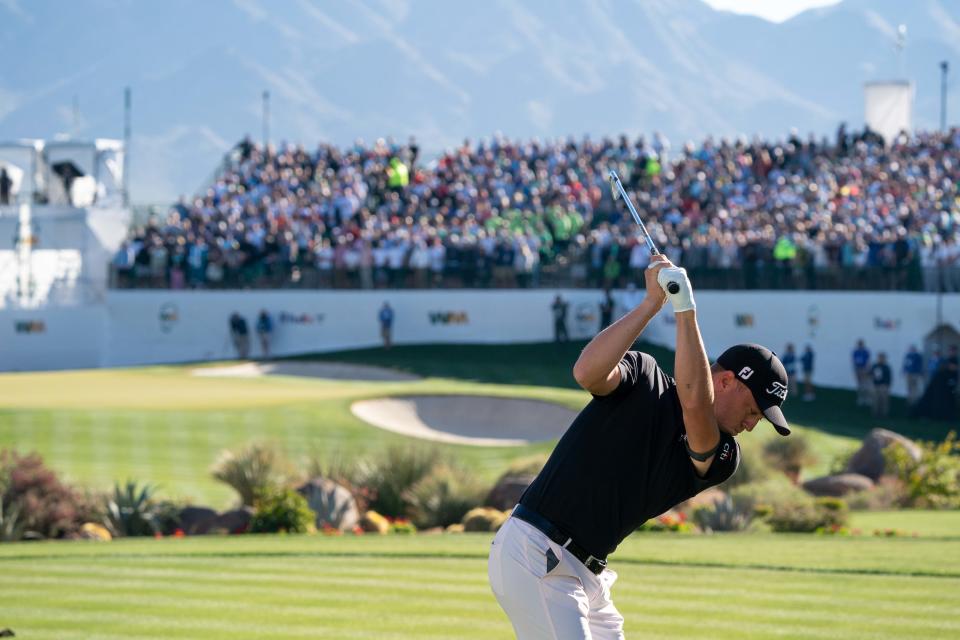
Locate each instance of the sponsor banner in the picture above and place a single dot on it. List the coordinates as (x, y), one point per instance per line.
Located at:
(151, 327)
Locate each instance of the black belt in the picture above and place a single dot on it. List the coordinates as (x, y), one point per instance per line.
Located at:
(594, 564)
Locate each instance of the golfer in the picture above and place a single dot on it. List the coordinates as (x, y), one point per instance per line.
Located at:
(643, 444)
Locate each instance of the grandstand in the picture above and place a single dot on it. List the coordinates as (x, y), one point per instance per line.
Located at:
(857, 212)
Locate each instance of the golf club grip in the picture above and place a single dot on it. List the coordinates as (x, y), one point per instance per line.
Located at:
(673, 287)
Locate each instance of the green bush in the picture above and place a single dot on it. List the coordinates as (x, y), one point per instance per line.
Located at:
(841, 461)
(753, 468)
(933, 482)
(808, 516)
(761, 498)
(282, 510)
(722, 515)
(35, 504)
(526, 466)
(789, 455)
(442, 497)
(889, 493)
(389, 477)
(131, 510)
(252, 472)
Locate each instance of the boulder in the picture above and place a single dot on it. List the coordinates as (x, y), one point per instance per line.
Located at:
(838, 485)
(196, 520)
(506, 493)
(484, 519)
(334, 505)
(869, 460)
(373, 522)
(235, 521)
(94, 531)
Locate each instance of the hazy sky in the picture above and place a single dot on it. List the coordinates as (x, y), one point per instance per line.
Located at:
(773, 10)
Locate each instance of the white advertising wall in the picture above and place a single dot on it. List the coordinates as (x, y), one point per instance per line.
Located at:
(153, 327)
(41, 339)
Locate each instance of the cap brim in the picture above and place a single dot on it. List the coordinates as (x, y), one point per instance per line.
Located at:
(775, 416)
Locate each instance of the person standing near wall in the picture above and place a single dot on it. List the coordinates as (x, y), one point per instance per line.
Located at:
(882, 377)
(386, 324)
(240, 335)
(913, 372)
(789, 361)
(264, 332)
(606, 310)
(806, 365)
(559, 308)
(861, 371)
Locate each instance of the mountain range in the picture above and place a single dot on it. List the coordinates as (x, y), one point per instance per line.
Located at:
(445, 70)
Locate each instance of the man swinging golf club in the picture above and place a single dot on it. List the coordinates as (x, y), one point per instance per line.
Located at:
(644, 443)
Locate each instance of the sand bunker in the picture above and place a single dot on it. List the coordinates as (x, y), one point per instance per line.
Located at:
(475, 420)
(329, 370)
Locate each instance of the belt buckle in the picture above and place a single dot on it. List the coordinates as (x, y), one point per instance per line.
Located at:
(590, 560)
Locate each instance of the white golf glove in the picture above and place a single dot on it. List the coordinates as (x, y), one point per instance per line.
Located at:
(682, 300)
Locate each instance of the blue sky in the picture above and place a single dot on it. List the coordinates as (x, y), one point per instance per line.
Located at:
(772, 10)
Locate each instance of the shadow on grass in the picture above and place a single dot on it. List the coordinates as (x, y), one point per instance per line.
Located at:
(550, 364)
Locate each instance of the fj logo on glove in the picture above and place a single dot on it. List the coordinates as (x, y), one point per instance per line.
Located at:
(778, 390)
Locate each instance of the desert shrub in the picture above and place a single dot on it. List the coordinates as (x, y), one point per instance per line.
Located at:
(722, 515)
(527, 465)
(131, 510)
(253, 471)
(34, 503)
(282, 510)
(841, 461)
(753, 468)
(933, 481)
(760, 498)
(808, 516)
(390, 476)
(484, 519)
(348, 472)
(442, 497)
(888, 493)
(789, 455)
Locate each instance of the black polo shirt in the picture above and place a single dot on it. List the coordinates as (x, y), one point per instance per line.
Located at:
(624, 461)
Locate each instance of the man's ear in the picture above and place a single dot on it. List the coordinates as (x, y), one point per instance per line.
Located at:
(724, 379)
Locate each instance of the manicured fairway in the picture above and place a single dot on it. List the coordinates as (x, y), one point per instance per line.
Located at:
(164, 426)
(669, 586)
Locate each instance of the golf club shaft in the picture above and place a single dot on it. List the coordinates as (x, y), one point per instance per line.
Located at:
(672, 287)
(615, 180)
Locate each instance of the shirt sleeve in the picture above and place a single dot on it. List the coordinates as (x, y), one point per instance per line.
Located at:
(636, 372)
(725, 463)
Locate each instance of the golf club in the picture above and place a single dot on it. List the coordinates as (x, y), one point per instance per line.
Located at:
(619, 192)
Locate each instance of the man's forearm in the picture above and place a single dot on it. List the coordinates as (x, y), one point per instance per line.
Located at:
(691, 367)
(607, 348)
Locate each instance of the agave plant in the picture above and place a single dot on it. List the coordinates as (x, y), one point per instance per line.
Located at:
(12, 526)
(131, 510)
(722, 516)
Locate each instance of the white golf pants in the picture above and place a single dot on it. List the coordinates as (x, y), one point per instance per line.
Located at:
(546, 592)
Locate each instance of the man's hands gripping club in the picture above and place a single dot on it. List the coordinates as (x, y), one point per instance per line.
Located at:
(660, 275)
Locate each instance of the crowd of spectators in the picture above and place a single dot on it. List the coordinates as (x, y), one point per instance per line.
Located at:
(852, 212)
